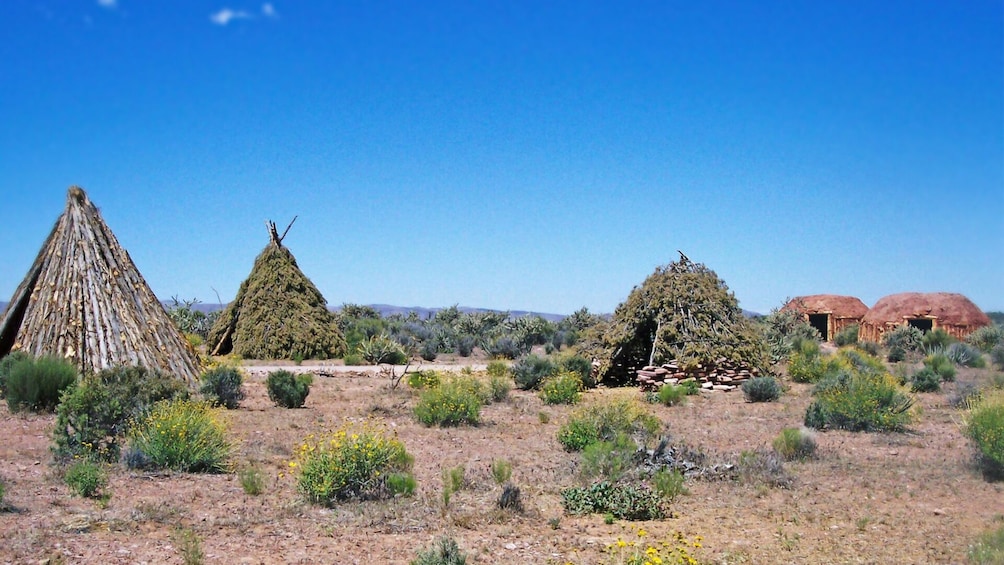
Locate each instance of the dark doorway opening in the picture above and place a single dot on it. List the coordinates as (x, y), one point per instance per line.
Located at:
(822, 323)
(922, 324)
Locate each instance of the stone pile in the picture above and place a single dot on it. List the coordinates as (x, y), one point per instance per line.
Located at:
(722, 375)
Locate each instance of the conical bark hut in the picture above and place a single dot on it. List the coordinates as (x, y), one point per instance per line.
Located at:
(278, 312)
(84, 299)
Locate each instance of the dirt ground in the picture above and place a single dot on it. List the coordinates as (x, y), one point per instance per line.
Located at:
(867, 498)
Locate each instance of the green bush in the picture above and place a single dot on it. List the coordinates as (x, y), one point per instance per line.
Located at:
(936, 340)
(182, 435)
(671, 395)
(941, 365)
(605, 421)
(36, 384)
(988, 549)
(986, 338)
(288, 390)
(501, 471)
(401, 484)
(93, 417)
(859, 397)
(251, 481)
(455, 402)
(529, 371)
(847, 336)
(925, 380)
(965, 355)
(906, 338)
(424, 379)
(563, 388)
(669, 483)
(806, 365)
(504, 348)
(352, 462)
(444, 551)
(869, 347)
(579, 365)
(222, 386)
(497, 368)
(795, 444)
(499, 387)
(382, 349)
(86, 478)
(13, 358)
(984, 426)
(896, 354)
(465, 345)
(608, 459)
(761, 389)
(622, 501)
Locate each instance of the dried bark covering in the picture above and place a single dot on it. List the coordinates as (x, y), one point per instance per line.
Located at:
(277, 314)
(835, 304)
(952, 312)
(682, 311)
(84, 299)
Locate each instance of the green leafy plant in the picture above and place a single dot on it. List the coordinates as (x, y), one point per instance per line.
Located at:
(455, 402)
(608, 459)
(671, 395)
(288, 390)
(36, 384)
(984, 426)
(925, 380)
(189, 546)
(605, 421)
(223, 386)
(940, 364)
(936, 340)
(453, 481)
(847, 336)
(86, 478)
(806, 364)
(352, 462)
(795, 444)
(501, 471)
(401, 484)
(182, 435)
(252, 480)
(669, 484)
(761, 389)
(382, 349)
(424, 379)
(623, 501)
(579, 365)
(859, 396)
(11, 359)
(444, 551)
(499, 387)
(562, 388)
(528, 372)
(988, 548)
(905, 338)
(93, 417)
(986, 338)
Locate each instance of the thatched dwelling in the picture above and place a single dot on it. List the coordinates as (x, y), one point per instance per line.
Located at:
(84, 299)
(684, 313)
(951, 312)
(828, 313)
(278, 313)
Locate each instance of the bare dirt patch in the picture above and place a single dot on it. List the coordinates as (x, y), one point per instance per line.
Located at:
(867, 498)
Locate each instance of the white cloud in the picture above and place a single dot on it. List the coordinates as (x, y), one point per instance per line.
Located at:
(226, 15)
(269, 10)
(108, 3)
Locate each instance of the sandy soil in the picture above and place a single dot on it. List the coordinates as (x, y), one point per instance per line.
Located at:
(867, 498)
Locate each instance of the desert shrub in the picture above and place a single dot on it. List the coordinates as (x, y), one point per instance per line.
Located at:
(925, 380)
(608, 459)
(690, 387)
(965, 355)
(444, 551)
(501, 471)
(783, 330)
(936, 340)
(579, 365)
(288, 390)
(429, 350)
(605, 421)
(424, 379)
(763, 467)
(869, 347)
(351, 462)
(907, 338)
(941, 365)
(510, 499)
(13, 358)
(988, 548)
(251, 481)
(182, 435)
(401, 484)
(93, 417)
(622, 501)
(997, 356)
(465, 345)
(497, 368)
(499, 387)
(453, 481)
(562, 388)
(986, 338)
(669, 484)
(382, 349)
(847, 336)
(35, 384)
(984, 426)
(189, 545)
(806, 365)
(86, 478)
(761, 389)
(795, 443)
(529, 371)
(223, 386)
(896, 354)
(454, 402)
(670, 395)
(858, 398)
(504, 348)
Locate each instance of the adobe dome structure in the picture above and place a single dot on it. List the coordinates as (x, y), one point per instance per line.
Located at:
(828, 313)
(951, 312)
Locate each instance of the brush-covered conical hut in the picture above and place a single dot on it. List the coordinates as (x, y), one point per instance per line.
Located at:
(278, 313)
(682, 311)
(83, 299)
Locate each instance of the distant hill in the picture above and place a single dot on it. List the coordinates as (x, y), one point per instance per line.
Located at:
(386, 310)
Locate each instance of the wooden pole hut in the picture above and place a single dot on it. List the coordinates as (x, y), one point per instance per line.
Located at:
(83, 299)
(828, 313)
(951, 312)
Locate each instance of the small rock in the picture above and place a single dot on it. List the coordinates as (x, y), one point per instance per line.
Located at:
(510, 546)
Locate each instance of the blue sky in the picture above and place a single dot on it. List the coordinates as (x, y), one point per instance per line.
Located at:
(515, 155)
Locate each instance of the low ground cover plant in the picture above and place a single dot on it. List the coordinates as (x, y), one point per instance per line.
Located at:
(605, 421)
(36, 384)
(984, 426)
(223, 386)
(622, 501)
(925, 380)
(761, 389)
(562, 388)
(182, 435)
(444, 551)
(93, 417)
(671, 394)
(859, 396)
(86, 478)
(288, 390)
(353, 462)
(456, 401)
(988, 548)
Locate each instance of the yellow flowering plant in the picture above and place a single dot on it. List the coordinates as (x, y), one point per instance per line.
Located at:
(183, 435)
(676, 549)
